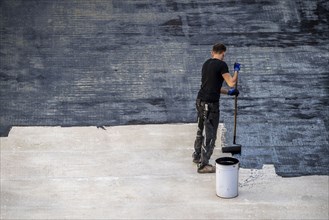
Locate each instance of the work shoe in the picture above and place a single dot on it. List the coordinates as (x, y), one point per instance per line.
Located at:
(206, 168)
(196, 158)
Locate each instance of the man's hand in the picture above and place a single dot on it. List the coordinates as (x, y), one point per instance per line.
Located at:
(233, 92)
(237, 67)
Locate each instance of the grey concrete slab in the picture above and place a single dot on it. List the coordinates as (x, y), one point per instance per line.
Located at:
(138, 172)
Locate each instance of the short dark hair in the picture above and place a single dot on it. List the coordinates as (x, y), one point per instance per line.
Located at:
(219, 48)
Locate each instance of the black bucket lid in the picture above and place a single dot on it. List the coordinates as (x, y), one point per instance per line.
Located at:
(227, 161)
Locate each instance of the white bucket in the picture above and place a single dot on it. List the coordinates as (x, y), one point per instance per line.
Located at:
(227, 177)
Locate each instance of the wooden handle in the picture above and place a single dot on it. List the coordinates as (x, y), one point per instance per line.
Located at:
(235, 111)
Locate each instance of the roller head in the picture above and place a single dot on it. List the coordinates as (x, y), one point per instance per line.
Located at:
(233, 149)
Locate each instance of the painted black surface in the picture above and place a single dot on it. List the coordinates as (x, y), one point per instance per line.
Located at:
(105, 63)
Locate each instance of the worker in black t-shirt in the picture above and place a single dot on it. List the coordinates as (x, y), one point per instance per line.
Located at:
(214, 72)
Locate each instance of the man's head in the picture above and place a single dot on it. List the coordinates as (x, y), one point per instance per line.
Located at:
(218, 51)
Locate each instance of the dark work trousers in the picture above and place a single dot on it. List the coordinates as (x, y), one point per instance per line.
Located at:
(208, 119)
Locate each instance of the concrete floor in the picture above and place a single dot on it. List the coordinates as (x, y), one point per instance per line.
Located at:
(138, 172)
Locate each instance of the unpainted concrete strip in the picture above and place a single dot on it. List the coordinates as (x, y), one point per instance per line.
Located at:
(138, 172)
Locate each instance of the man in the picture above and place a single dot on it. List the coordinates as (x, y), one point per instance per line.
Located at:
(214, 72)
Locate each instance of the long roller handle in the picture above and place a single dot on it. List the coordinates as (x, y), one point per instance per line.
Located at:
(235, 111)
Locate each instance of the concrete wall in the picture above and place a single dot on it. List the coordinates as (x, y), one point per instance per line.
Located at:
(76, 63)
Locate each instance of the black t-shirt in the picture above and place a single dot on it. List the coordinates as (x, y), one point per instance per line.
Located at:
(212, 80)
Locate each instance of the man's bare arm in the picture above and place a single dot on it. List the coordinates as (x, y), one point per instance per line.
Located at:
(230, 81)
(230, 91)
(223, 91)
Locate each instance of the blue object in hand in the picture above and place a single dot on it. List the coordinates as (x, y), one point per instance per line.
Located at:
(233, 92)
(237, 66)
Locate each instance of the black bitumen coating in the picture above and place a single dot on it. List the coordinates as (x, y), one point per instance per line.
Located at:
(106, 63)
